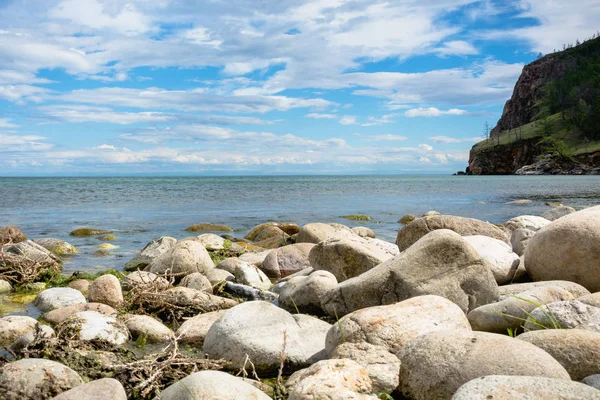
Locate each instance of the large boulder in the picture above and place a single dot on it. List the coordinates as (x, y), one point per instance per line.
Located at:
(317, 232)
(564, 315)
(393, 326)
(435, 365)
(441, 263)
(36, 379)
(260, 331)
(193, 331)
(507, 387)
(304, 293)
(577, 350)
(338, 379)
(530, 222)
(56, 246)
(13, 326)
(287, 260)
(105, 388)
(512, 312)
(567, 249)
(420, 227)
(186, 257)
(557, 212)
(213, 385)
(53, 298)
(91, 325)
(501, 259)
(106, 289)
(382, 366)
(155, 248)
(349, 257)
(11, 234)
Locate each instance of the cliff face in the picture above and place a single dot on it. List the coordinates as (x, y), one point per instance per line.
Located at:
(506, 161)
(522, 106)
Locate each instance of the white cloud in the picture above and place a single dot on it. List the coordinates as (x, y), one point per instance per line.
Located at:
(78, 113)
(385, 119)
(321, 116)
(15, 143)
(433, 112)
(4, 123)
(456, 48)
(388, 137)
(425, 147)
(447, 139)
(106, 147)
(348, 120)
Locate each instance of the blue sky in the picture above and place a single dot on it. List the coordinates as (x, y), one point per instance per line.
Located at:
(228, 87)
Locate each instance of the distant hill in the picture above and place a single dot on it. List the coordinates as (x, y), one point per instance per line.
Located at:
(551, 124)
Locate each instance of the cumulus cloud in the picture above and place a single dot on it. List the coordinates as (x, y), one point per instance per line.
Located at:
(321, 116)
(433, 112)
(348, 120)
(447, 139)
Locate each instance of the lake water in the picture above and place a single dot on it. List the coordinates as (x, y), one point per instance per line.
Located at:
(143, 208)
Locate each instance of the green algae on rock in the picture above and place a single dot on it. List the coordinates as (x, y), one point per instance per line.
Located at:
(356, 217)
(82, 232)
(208, 227)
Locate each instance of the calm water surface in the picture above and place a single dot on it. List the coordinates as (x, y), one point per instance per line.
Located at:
(144, 208)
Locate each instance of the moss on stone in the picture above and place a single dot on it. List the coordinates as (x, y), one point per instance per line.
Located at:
(356, 217)
(108, 238)
(83, 232)
(208, 227)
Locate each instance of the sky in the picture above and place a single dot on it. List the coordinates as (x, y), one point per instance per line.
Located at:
(210, 87)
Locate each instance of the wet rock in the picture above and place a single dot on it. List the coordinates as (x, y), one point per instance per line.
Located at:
(338, 379)
(349, 257)
(91, 325)
(304, 293)
(106, 289)
(287, 260)
(59, 315)
(53, 298)
(502, 261)
(186, 257)
(504, 387)
(56, 246)
(564, 315)
(556, 212)
(214, 385)
(256, 330)
(567, 249)
(395, 325)
(100, 389)
(35, 378)
(83, 232)
(155, 248)
(197, 281)
(437, 364)
(420, 227)
(150, 328)
(11, 234)
(577, 350)
(442, 263)
(13, 326)
(382, 366)
(208, 227)
(193, 331)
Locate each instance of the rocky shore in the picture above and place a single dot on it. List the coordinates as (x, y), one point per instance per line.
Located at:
(456, 308)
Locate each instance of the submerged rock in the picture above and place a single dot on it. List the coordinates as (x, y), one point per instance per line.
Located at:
(82, 232)
(208, 227)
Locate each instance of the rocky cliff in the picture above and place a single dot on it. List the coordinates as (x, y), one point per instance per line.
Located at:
(551, 123)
